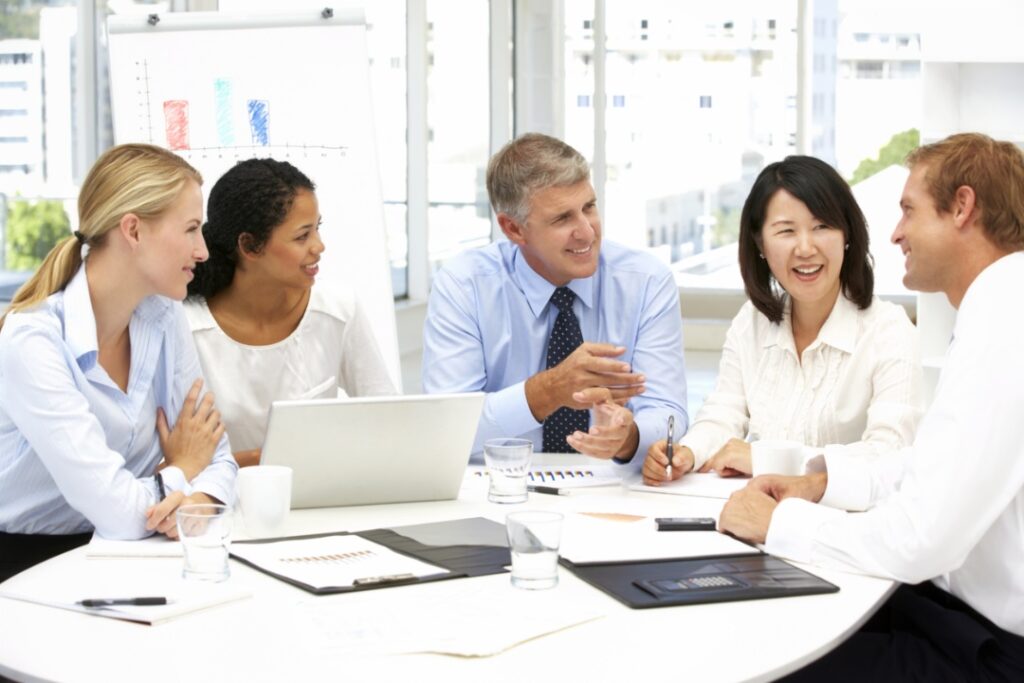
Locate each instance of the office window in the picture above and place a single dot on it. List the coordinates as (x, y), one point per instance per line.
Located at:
(37, 133)
(458, 112)
(670, 146)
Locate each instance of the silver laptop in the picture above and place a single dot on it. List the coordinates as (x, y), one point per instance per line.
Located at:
(360, 451)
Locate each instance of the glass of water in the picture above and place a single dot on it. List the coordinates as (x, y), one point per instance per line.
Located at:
(533, 538)
(508, 461)
(205, 533)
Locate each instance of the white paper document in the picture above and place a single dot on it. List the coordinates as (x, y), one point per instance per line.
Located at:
(182, 597)
(702, 484)
(487, 616)
(589, 539)
(157, 545)
(334, 561)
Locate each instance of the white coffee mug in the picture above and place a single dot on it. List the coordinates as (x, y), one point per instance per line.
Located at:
(775, 456)
(265, 497)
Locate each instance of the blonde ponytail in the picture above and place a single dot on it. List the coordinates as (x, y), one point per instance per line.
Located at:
(139, 179)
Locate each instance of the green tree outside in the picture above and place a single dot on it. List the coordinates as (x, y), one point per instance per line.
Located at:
(893, 152)
(727, 227)
(19, 19)
(33, 228)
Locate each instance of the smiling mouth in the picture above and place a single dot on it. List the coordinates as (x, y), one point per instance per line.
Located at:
(808, 270)
(581, 252)
(312, 268)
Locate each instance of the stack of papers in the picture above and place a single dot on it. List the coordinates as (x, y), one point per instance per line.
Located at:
(486, 617)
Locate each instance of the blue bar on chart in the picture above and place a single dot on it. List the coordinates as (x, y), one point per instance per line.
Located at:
(259, 112)
(222, 112)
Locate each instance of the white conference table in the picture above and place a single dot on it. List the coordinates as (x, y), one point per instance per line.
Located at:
(267, 638)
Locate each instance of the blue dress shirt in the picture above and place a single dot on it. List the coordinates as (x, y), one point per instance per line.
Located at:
(489, 320)
(76, 452)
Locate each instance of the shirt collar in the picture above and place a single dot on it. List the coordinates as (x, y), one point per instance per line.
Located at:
(839, 330)
(538, 291)
(80, 318)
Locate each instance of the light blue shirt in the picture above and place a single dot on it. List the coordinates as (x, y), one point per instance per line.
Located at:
(490, 318)
(76, 452)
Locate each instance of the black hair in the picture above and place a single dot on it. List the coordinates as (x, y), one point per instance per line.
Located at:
(829, 199)
(245, 206)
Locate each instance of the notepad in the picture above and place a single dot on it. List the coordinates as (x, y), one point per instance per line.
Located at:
(701, 484)
(566, 476)
(335, 561)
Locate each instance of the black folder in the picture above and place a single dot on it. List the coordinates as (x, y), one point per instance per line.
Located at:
(473, 546)
(690, 581)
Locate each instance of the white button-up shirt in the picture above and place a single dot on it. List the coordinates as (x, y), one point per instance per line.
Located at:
(857, 390)
(76, 452)
(951, 507)
(332, 348)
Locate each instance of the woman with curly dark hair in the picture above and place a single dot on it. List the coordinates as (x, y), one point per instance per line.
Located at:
(263, 331)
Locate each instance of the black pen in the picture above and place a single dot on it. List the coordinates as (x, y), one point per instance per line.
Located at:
(111, 602)
(160, 484)
(668, 443)
(552, 490)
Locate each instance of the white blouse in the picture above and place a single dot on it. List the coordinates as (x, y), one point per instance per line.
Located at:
(857, 391)
(332, 348)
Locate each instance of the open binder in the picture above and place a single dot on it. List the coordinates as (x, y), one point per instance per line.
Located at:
(690, 581)
(456, 549)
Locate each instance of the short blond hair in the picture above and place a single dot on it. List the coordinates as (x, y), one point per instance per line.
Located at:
(144, 180)
(992, 168)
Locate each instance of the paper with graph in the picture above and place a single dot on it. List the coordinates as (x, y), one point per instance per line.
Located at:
(334, 561)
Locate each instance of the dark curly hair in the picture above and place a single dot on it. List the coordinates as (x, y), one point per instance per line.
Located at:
(245, 205)
(829, 199)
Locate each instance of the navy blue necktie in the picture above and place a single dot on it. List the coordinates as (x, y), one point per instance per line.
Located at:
(565, 337)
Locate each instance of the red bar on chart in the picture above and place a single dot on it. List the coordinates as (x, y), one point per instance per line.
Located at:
(176, 123)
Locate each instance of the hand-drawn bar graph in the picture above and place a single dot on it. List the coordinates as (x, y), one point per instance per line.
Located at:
(259, 114)
(176, 119)
(222, 112)
(176, 123)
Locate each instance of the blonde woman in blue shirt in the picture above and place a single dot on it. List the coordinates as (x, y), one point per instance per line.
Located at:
(100, 386)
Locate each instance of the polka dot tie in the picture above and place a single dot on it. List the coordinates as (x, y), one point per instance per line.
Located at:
(565, 337)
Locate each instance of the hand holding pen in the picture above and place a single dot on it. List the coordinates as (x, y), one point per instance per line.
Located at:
(669, 440)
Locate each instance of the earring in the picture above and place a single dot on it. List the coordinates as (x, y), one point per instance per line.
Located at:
(762, 256)
(847, 247)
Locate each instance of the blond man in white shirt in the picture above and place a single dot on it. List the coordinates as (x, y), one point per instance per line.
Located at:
(951, 507)
(813, 356)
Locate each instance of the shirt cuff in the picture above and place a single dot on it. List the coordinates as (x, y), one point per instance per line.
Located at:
(794, 527)
(174, 480)
(849, 484)
(509, 410)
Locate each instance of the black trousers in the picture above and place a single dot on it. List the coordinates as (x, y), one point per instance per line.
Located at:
(18, 552)
(922, 634)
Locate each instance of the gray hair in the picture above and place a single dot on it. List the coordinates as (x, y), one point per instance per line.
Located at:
(530, 163)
